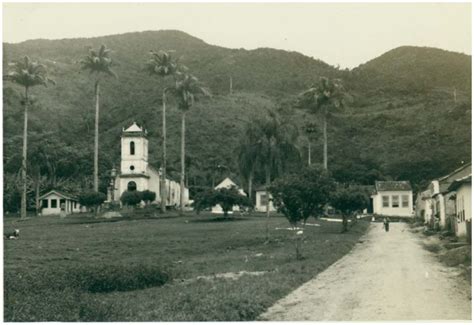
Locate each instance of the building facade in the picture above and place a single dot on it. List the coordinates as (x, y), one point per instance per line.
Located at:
(261, 200)
(136, 174)
(55, 202)
(393, 198)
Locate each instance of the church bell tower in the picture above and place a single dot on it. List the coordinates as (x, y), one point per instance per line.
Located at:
(134, 159)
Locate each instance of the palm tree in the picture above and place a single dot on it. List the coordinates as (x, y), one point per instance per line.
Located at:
(27, 74)
(162, 64)
(309, 129)
(98, 63)
(326, 94)
(248, 154)
(185, 90)
(276, 148)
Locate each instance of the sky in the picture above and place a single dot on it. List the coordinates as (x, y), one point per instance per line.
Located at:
(344, 34)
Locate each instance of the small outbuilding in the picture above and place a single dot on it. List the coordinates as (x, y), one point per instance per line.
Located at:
(54, 202)
(261, 200)
(227, 183)
(393, 198)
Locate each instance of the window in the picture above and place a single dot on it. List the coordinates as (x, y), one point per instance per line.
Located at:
(54, 203)
(75, 205)
(263, 200)
(132, 148)
(405, 201)
(132, 167)
(395, 201)
(44, 203)
(385, 203)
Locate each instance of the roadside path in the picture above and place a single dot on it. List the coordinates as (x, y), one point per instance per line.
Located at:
(389, 276)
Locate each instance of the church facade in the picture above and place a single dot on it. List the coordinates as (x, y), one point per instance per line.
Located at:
(135, 172)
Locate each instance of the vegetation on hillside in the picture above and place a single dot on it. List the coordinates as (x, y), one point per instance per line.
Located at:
(407, 115)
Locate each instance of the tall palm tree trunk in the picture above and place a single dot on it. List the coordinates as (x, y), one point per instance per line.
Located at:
(163, 164)
(267, 186)
(96, 139)
(325, 138)
(250, 185)
(183, 133)
(309, 152)
(37, 193)
(23, 163)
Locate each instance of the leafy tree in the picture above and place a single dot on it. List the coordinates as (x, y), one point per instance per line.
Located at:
(98, 63)
(328, 93)
(162, 64)
(349, 200)
(227, 198)
(92, 199)
(27, 74)
(203, 199)
(131, 198)
(185, 91)
(301, 195)
(148, 196)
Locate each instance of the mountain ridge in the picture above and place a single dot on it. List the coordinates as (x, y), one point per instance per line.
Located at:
(386, 130)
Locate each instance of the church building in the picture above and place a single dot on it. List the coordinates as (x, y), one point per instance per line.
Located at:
(135, 172)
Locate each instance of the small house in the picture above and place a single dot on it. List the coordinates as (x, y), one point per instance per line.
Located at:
(462, 188)
(227, 183)
(261, 200)
(54, 202)
(393, 198)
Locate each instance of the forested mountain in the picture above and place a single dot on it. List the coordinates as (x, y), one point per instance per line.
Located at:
(407, 115)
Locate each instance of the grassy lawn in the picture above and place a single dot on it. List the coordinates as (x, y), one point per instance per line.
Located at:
(159, 269)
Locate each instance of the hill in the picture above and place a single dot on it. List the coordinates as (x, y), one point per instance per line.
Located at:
(389, 129)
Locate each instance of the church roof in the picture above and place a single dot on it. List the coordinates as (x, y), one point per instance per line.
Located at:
(134, 130)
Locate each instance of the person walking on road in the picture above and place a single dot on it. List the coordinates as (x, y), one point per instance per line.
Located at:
(386, 224)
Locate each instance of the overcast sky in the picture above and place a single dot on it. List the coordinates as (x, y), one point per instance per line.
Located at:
(344, 34)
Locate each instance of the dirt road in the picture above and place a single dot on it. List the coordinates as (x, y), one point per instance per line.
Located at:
(388, 276)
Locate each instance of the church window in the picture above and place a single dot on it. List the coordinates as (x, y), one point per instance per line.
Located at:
(132, 148)
(132, 186)
(132, 167)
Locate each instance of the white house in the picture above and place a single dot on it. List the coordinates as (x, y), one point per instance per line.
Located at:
(393, 198)
(440, 199)
(53, 201)
(261, 200)
(463, 193)
(423, 206)
(227, 183)
(137, 174)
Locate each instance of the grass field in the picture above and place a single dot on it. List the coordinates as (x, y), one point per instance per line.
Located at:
(160, 269)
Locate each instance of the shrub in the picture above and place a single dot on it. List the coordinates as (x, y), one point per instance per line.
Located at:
(92, 199)
(148, 196)
(131, 198)
(227, 198)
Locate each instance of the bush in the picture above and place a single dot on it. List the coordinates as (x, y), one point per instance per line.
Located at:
(131, 198)
(148, 196)
(92, 199)
(349, 200)
(227, 198)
